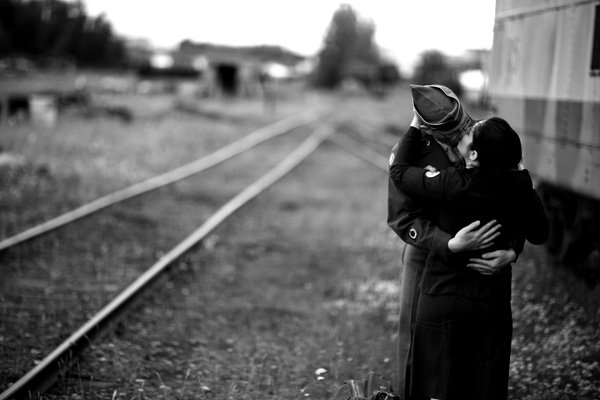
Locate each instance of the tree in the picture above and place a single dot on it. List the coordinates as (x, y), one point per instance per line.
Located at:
(434, 68)
(349, 48)
(57, 30)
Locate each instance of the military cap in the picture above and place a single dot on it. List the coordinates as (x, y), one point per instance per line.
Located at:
(439, 108)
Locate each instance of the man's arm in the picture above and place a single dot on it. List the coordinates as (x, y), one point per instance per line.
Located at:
(408, 221)
(537, 230)
(438, 241)
(405, 216)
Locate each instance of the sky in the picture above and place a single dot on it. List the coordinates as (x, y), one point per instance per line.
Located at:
(404, 29)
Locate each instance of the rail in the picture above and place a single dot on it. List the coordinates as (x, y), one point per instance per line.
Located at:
(253, 139)
(44, 374)
(354, 147)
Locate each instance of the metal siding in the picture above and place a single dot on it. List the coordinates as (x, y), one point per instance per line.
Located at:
(539, 48)
(561, 80)
(546, 54)
(590, 130)
(553, 155)
(565, 164)
(506, 9)
(576, 53)
(506, 75)
(540, 81)
(568, 120)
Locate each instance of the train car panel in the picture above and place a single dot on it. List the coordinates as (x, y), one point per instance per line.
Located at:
(550, 99)
(537, 55)
(544, 77)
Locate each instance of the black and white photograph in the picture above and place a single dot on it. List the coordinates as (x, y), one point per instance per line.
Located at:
(300, 200)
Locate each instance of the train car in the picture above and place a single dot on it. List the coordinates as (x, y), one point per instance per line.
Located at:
(544, 78)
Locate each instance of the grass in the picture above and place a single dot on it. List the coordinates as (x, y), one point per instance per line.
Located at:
(304, 279)
(86, 266)
(556, 345)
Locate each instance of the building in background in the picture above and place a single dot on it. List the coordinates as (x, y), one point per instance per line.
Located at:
(216, 70)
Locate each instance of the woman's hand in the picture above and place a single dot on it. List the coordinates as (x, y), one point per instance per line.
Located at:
(493, 262)
(471, 238)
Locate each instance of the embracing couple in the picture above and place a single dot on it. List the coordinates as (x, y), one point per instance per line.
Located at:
(463, 205)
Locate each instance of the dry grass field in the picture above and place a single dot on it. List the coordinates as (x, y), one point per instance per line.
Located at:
(304, 278)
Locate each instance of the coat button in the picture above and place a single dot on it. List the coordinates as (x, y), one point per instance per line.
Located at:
(412, 234)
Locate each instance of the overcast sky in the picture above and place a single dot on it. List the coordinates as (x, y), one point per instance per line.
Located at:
(403, 28)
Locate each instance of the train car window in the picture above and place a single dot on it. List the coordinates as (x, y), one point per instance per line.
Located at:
(595, 67)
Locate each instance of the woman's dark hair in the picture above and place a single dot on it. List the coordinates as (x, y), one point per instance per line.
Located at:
(497, 144)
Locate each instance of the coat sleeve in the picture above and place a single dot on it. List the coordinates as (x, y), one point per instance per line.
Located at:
(406, 217)
(538, 227)
(417, 181)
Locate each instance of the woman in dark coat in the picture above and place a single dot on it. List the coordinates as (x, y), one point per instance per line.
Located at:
(463, 331)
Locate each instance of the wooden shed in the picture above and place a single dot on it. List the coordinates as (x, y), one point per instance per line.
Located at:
(232, 71)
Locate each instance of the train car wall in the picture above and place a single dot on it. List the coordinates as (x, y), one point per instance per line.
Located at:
(545, 79)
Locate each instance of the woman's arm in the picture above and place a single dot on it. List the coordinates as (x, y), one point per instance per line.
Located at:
(493, 262)
(538, 227)
(407, 219)
(471, 238)
(417, 181)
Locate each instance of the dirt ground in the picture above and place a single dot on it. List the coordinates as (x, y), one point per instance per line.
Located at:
(291, 296)
(274, 295)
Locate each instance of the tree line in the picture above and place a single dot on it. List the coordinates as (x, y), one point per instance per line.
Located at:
(57, 31)
(349, 52)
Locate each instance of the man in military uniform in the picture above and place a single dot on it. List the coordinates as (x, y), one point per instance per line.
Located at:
(442, 121)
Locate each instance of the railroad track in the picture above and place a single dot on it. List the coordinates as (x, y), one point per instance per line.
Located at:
(282, 127)
(60, 360)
